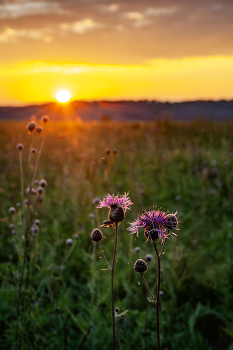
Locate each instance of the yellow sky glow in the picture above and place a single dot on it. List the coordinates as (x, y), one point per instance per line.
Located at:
(162, 79)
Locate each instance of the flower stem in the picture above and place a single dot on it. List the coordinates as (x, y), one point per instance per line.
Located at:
(158, 295)
(112, 291)
(104, 256)
(144, 280)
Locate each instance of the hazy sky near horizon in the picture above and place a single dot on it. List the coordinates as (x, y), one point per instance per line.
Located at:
(124, 49)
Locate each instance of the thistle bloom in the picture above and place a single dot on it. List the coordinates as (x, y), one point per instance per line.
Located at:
(118, 205)
(155, 223)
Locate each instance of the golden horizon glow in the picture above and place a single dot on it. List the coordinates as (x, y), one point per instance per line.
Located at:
(188, 78)
(63, 96)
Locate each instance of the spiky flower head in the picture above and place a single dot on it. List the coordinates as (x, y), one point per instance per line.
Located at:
(118, 205)
(140, 266)
(155, 223)
(96, 235)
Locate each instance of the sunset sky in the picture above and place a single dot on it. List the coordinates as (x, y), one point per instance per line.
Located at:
(165, 50)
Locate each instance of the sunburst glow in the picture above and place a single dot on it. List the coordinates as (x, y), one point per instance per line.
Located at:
(63, 96)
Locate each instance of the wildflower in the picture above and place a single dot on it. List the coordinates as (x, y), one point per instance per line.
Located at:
(118, 205)
(96, 235)
(69, 241)
(140, 266)
(34, 229)
(154, 223)
(137, 250)
(43, 183)
(37, 222)
(44, 118)
(31, 126)
(12, 210)
(96, 200)
(33, 150)
(39, 129)
(40, 190)
(20, 146)
(148, 257)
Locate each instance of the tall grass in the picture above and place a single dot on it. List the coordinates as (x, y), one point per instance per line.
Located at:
(177, 166)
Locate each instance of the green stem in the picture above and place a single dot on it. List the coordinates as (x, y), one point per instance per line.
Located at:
(104, 256)
(112, 290)
(144, 280)
(158, 296)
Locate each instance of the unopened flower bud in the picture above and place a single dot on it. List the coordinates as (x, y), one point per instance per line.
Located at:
(31, 126)
(20, 146)
(116, 213)
(69, 242)
(148, 257)
(96, 235)
(140, 266)
(171, 222)
(12, 210)
(43, 183)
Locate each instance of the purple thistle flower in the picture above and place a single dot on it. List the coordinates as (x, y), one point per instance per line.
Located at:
(155, 223)
(119, 200)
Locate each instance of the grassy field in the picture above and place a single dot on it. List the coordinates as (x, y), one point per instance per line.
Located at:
(183, 167)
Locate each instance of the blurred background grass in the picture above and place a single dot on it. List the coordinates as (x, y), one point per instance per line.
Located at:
(184, 167)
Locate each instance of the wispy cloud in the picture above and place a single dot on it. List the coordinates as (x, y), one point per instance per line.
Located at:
(160, 11)
(28, 8)
(81, 27)
(11, 35)
(138, 18)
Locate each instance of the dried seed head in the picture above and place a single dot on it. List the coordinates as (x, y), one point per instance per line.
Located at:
(148, 257)
(33, 191)
(33, 150)
(37, 222)
(137, 250)
(12, 210)
(171, 222)
(18, 205)
(117, 310)
(40, 190)
(140, 266)
(96, 200)
(34, 229)
(116, 213)
(107, 151)
(39, 129)
(20, 146)
(96, 235)
(91, 216)
(76, 236)
(69, 242)
(14, 233)
(31, 126)
(44, 118)
(43, 183)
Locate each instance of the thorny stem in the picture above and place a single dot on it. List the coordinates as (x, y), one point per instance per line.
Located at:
(158, 295)
(144, 280)
(112, 291)
(104, 256)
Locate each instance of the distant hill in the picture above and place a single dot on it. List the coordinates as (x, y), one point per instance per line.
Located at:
(124, 111)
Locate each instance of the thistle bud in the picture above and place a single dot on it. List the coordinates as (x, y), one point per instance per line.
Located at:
(12, 226)
(34, 229)
(76, 236)
(43, 183)
(69, 242)
(31, 126)
(148, 257)
(20, 146)
(44, 119)
(39, 129)
(18, 205)
(40, 190)
(117, 310)
(14, 233)
(116, 213)
(37, 222)
(33, 150)
(12, 210)
(96, 200)
(107, 151)
(140, 266)
(96, 235)
(137, 250)
(171, 222)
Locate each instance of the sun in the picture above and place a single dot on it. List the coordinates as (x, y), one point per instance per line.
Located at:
(63, 96)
